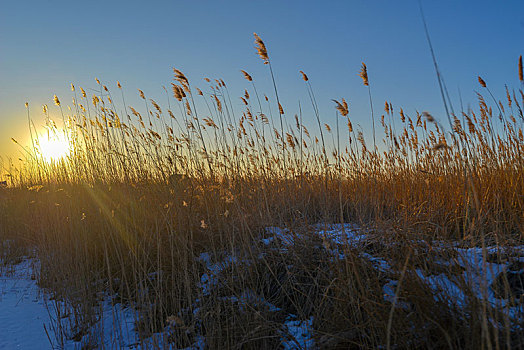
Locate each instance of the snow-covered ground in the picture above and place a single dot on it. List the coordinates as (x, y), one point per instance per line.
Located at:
(24, 309)
(28, 317)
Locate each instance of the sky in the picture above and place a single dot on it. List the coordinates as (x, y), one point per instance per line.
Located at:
(45, 45)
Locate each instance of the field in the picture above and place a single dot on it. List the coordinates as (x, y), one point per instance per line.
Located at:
(199, 225)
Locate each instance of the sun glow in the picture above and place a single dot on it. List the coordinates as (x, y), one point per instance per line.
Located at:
(54, 146)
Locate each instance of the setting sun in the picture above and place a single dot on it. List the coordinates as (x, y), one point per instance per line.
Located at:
(54, 146)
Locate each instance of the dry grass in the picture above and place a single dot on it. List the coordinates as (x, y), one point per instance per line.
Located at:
(145, 192)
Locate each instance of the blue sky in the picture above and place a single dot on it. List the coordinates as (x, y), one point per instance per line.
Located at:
(47, 45)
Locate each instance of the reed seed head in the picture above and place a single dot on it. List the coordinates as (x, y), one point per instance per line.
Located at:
(178, 92)
(219, 104)
(246, 75)
(304, 76)
(482, 82)
(364, 74)
(440, 146)
(342, 107)
(180, 77)
(261, 49)
(428, 117)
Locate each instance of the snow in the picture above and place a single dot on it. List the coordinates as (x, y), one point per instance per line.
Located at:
(300, 335)
(250, 297)
(114, 330)
(334, 233)
(26, 312)
(22, 310)
(480, 276)
(209, 280)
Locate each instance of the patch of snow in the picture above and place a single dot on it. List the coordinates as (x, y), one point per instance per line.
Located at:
(335, 233)
(341, 233)
(199, 344)
(209, 279)
(442, 286)
(22, 310)
(249, 297)
(389, 290)
(25, 310)
(299, 334)
(114, 330)
(379, 263)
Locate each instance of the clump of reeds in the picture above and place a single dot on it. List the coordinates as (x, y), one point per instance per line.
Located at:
(143, 193)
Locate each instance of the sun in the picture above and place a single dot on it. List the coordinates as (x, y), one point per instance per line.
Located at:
(54, 146)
